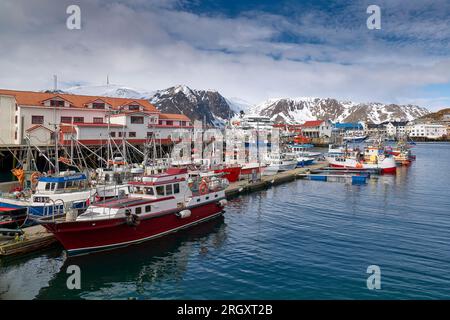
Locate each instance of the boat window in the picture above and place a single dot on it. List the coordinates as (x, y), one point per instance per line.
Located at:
(60, 185)
(138, 190)
(149, 191)
(47, 186)
(52, 187)
(176, 188)
(138, 210)
(169, 189)
(160, 190)
(148, 208)
(128, 212)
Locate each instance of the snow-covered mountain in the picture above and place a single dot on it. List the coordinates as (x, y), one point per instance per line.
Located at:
(205, 105)
(211, 106)
(238, 104)
(298, 110)
(111, 90)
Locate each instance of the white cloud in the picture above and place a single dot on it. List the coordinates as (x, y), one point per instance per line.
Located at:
(155, 45)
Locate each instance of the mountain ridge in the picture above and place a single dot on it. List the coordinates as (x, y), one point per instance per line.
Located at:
(213, 108)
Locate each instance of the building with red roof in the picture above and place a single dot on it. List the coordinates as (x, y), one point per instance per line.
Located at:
(89, 119)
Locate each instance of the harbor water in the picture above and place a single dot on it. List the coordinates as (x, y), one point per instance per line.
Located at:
(299, 240)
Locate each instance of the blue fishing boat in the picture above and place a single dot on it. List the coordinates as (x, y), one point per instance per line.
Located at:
(52, 195)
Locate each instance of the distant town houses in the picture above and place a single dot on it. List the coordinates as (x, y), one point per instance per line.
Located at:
(324, 129)
(33, 117)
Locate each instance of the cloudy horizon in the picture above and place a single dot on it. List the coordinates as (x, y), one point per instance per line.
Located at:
(253, 50)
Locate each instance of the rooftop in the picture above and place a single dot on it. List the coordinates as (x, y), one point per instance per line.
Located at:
(32, 98)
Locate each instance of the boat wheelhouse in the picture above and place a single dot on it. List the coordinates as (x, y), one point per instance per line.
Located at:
(53, 194)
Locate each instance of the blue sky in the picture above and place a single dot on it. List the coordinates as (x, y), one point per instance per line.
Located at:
(254, 50)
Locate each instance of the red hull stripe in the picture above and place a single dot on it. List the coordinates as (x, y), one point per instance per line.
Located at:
(383, 170)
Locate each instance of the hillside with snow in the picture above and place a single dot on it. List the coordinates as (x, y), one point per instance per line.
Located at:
(111, 90)
(216, 110)
(298, 110)
(204, 105)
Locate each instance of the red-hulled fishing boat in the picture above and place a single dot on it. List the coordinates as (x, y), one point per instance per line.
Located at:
(231, 172)
(156, 206)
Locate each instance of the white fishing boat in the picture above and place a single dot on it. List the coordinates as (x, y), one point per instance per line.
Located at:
(277, 162)
(371, 158)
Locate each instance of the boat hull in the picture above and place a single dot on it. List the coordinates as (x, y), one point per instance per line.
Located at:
(12, 218)
(386, 166)
(93, 235)
(231, 173)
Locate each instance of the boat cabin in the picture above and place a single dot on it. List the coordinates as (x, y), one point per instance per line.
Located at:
(71, 182)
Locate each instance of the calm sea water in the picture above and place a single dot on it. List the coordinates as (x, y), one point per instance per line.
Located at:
(301, 240)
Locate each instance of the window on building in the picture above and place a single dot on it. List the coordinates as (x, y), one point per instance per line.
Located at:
(15, 135)
(132, 134)
(78, 119)
(98, 120)
(15, 119)
(112, 134)
(133, 107)
(57, 103)
(137, 120)
(66, 119)
(169, 122)
(120, 134)
(98, 105)
(37, 119)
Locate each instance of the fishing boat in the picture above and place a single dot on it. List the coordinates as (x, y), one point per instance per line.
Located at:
(355, 138)
(277, 162)
(300, 150)
(230, 172)
(372, 158)
(53, 194)
(156, 206)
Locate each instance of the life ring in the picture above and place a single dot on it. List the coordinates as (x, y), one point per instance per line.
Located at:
(203, 187)
(34, 177)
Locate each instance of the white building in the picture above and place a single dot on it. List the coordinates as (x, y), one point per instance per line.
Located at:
(254, 122)
(396, 128)
(35, 115)
(317, 129)
(426, 130)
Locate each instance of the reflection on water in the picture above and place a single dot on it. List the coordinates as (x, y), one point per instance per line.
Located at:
(299, 240)
(123, 273)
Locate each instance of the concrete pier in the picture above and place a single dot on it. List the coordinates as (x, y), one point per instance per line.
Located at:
(246, 186)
